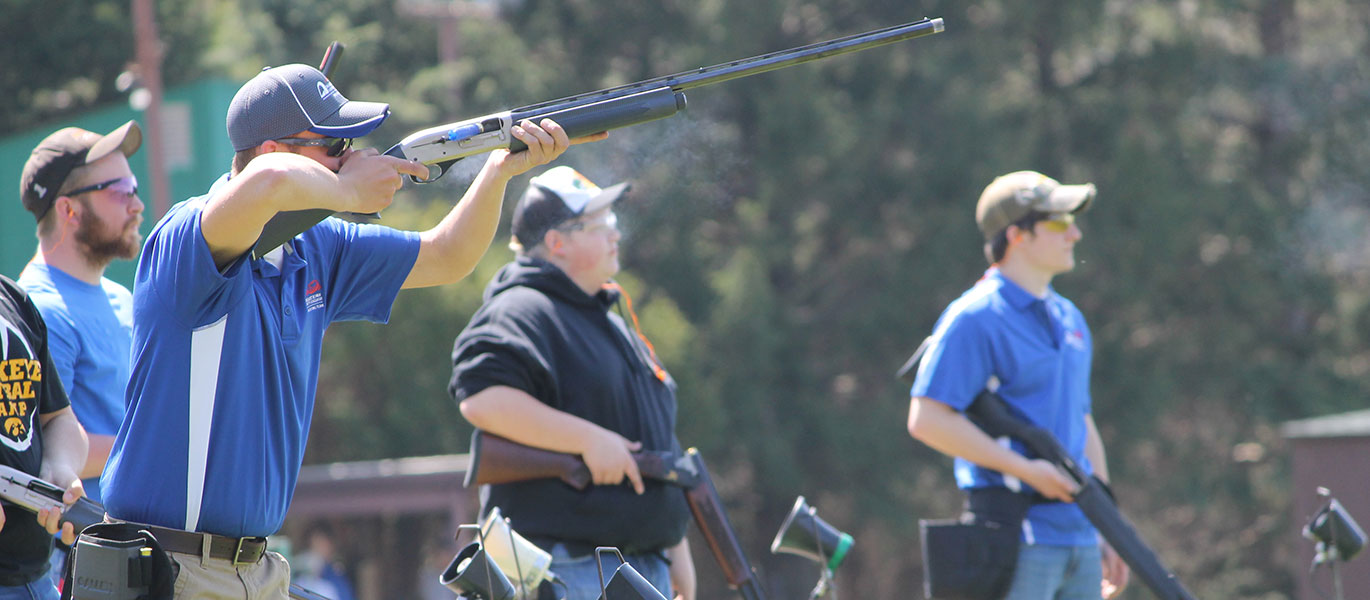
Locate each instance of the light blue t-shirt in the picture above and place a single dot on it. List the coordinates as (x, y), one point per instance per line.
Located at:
(1040, 350)
(225, 366)
(90, 331)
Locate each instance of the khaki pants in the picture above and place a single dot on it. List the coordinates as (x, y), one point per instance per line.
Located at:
(218, 579)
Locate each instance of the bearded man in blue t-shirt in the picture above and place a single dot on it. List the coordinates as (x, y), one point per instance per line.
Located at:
(227, 332)
(81, 191)
(1011, 332)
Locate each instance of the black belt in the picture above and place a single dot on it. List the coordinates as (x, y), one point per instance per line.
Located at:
(239, 551)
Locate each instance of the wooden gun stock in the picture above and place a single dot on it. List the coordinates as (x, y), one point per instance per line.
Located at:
(718, 533)
(495, 459)
(499, 460)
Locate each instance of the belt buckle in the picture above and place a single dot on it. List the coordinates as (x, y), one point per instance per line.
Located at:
(238, 553)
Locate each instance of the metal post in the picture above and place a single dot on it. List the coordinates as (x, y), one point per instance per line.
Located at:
(148, 50)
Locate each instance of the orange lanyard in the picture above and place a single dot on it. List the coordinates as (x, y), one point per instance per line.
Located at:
(627, 301)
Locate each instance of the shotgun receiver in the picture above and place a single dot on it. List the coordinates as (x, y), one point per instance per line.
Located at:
(34, 494)
(499, 460)
(611, 108)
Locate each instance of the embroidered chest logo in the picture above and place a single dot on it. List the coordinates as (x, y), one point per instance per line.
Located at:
(313, 296)
(1075, 339)
(1074, 332)
(20, 377)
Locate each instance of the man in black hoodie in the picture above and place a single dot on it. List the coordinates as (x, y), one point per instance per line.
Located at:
(546, 363)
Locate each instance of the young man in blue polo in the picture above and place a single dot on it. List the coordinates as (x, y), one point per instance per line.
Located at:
(227, 335)
(1013, 331)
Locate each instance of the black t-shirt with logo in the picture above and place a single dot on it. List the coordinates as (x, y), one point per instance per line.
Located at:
(29, 387)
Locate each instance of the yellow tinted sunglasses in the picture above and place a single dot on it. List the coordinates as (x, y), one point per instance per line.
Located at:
(1058, 222)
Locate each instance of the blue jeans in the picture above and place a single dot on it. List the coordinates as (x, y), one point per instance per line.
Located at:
(1057, 573)
(582, 576)
(57, 563)
(39, 589)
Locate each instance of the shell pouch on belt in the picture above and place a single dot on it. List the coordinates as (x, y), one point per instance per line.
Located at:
(118, 561)
(973, 557)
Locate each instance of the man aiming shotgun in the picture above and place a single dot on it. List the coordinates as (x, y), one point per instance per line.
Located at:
(227, 341)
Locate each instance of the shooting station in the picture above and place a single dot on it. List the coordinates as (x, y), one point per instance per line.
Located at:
(1330, 479)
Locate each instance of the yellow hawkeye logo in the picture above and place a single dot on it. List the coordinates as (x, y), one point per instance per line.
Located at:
(21, 376)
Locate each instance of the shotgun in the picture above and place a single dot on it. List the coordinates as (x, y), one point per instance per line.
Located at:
(589, 113)
(611, 108)
(990, 413)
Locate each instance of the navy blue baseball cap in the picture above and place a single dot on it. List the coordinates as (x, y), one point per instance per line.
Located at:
(283, 101)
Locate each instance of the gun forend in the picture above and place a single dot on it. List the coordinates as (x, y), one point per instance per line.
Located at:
(583, 120)
(34, 494)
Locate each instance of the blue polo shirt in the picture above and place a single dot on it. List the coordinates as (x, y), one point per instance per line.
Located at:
(225, 366)
(90, 330)
(1040, 350)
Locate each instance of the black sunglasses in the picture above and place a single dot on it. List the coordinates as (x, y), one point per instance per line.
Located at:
(127, 186)
(336, 146)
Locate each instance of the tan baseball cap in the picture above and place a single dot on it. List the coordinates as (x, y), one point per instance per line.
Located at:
(1013, 196)
(62, 152)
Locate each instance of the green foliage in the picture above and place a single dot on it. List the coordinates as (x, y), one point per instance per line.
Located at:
(63, 68)
(792, 237)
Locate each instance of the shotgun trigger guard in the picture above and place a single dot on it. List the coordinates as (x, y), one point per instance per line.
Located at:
(435, 171)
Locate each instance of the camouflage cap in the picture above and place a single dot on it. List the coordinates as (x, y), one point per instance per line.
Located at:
(1013, 196)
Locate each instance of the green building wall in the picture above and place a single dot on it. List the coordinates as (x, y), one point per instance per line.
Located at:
(195, 148)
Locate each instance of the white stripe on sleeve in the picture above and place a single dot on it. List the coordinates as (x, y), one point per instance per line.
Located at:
(206, 353)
